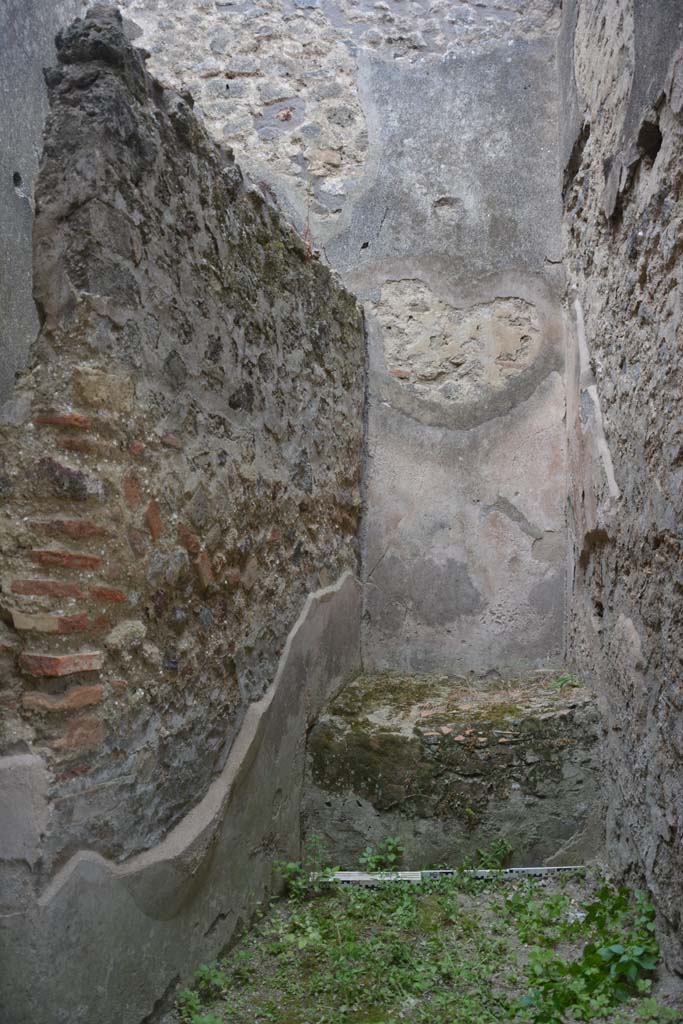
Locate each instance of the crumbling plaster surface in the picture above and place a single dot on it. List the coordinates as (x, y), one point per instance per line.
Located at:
(180, 462)
(279, 80)
(27, 31)
(110, 942)
(623, 94)
(417, 143)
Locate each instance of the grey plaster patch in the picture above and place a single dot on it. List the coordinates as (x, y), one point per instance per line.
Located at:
(27, 31)
(24, 811)
(442, 497)
(445, 592)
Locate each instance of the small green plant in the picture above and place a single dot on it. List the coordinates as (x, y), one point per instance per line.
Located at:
(189, 1004)
(495, 856)
(615, 964)
(191, 1010)
(559, 682)
(386, 856)
(309, 876)
(539, 918)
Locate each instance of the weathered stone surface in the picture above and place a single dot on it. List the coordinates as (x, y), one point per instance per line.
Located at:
(622, 78)
(283, 80)
(448, 766)
(202, 368)
(456, 356)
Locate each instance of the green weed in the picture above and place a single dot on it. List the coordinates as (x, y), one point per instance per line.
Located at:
(386, 856)
(454, 950)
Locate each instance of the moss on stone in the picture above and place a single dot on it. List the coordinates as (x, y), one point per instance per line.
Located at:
(444, 748)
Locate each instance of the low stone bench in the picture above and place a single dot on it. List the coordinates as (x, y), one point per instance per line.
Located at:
(448, 765)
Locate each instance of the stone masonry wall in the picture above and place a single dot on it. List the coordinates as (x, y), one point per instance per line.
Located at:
(415, 143)
(180, 462)
(622, 75)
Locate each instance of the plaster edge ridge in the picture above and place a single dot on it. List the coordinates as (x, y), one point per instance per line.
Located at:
(203, 816)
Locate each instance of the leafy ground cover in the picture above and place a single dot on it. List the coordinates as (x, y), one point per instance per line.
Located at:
(453, 950)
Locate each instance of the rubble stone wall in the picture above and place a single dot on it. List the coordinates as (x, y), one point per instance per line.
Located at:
(416, 143)
(449, 768)
(622, 76)
(180, 470)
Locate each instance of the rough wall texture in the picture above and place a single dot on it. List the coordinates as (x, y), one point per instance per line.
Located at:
(623, 84)
(449, 768)
(417, 144)
(110, 942)
(181, 461)
(27, 31)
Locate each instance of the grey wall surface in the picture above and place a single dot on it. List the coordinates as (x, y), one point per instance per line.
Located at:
(417, 148)
(623, 89)
(452, 242)
(27, 31)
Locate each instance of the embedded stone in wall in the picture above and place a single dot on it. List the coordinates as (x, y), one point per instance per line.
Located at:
(451, 354)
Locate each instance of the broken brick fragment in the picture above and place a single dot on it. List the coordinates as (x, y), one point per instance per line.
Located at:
(153, 520)
(190, 541)
(62, 419)
(82, 733)
(132, 494)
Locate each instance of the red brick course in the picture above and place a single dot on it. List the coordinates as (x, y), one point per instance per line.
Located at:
(63, 419)
(36, 664)
(47, 588)
(50, 623)
(67, 559)
(73, 700)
